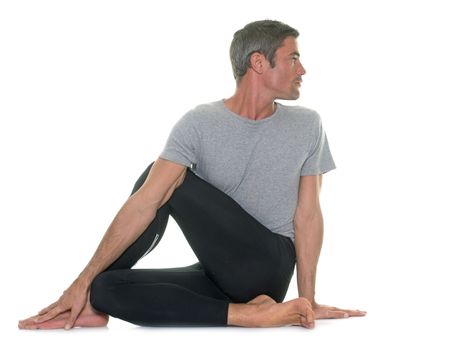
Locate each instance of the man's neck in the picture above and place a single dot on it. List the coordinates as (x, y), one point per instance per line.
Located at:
(251, 105)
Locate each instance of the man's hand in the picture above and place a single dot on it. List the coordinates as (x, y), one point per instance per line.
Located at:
(73, 300)
(324, 311)
(130, 222)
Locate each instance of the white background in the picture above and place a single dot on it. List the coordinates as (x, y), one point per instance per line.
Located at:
(89, 91)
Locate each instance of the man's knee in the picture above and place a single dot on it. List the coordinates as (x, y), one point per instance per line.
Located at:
(181, 178)
(140, 181)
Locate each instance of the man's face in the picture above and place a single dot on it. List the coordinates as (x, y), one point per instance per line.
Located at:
(283, 80)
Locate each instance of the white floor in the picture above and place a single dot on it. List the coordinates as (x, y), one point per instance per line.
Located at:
(404, 311)
(377, 331)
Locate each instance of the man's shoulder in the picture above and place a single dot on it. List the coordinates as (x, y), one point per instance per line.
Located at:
(203, 111)
(205, 108)
(300, 111)
(301, 115)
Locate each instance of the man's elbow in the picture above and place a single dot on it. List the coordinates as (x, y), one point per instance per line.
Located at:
(307, 218)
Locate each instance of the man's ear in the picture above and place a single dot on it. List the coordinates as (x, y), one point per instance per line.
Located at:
(258, 62)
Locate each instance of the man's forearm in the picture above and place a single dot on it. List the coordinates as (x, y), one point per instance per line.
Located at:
(308, 243)
(131, 220)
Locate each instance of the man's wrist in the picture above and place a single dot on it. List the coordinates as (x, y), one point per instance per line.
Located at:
(85, 279)
(312, 301)
(308, 296)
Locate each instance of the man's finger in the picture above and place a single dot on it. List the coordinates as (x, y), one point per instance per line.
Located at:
(346, 313)
(356, 313)
(27, 321)
(73, 317)
(29, 318)
(50, 315)
(46, 309)
(352, 312)
(338, 314)
(327, 314)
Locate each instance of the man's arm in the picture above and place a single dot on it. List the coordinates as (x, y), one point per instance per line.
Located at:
(131, 220)
(309, 231)
(135, 215)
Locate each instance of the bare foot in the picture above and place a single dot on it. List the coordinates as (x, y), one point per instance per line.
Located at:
(89, 317)
(296, 312)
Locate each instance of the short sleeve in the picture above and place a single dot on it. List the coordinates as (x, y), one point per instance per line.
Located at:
(182, 144)
(319, 160)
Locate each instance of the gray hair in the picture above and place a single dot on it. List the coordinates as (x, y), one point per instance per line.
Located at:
(264, 37)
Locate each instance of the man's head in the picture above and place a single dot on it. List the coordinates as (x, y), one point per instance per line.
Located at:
(264, 37)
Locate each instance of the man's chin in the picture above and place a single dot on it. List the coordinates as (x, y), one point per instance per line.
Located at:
(292, 97)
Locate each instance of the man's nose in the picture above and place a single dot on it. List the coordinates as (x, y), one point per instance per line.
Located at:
(300, 69)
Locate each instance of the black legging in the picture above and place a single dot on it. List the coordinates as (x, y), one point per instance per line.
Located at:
(239, 259)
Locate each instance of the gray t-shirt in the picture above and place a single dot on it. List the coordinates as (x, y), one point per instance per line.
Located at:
(257, 163)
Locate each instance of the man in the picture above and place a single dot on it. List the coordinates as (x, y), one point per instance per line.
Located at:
(249, 208)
